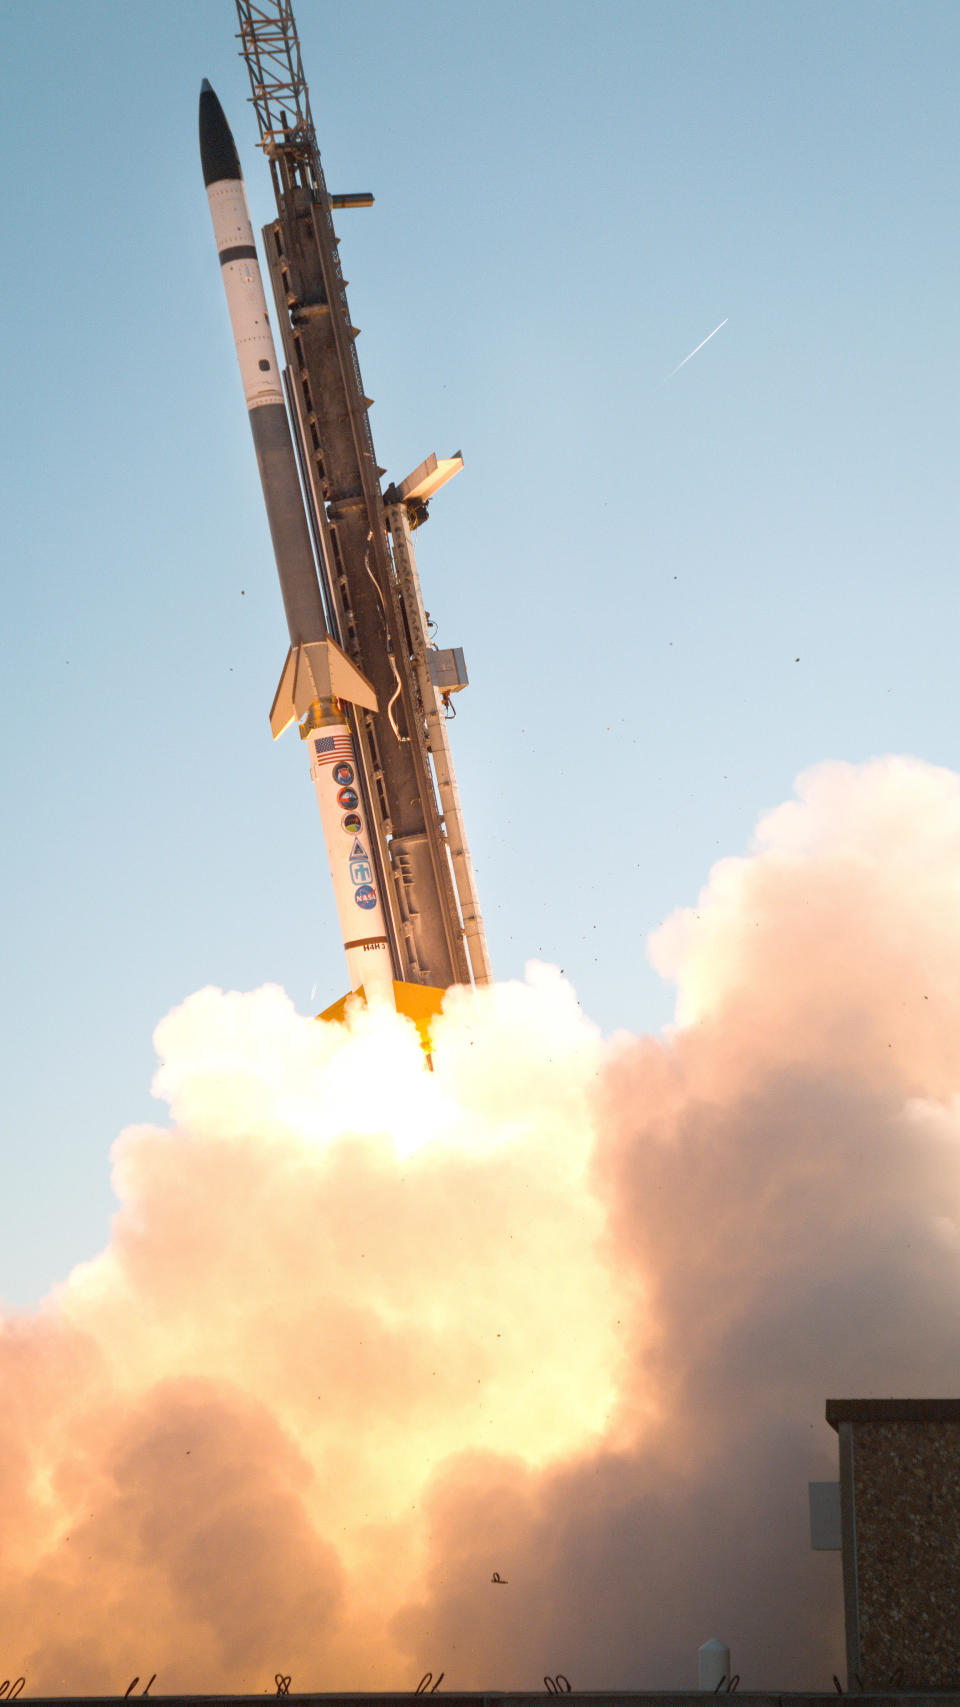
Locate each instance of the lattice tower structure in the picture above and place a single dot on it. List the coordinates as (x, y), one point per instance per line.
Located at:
(330, 417)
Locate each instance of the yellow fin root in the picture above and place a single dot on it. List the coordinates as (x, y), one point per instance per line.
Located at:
(419, 1002)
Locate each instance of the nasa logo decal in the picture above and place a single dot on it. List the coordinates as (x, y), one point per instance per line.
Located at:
(352, 823)
(343, 774)
(365, 896)
(348, 797)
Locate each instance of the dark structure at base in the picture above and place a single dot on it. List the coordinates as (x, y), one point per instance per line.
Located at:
(900, 1506)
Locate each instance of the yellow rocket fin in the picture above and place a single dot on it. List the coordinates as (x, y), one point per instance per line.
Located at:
(419, 1002)
(317, 669)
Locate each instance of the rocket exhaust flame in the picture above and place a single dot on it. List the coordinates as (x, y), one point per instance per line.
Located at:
(565, 1310)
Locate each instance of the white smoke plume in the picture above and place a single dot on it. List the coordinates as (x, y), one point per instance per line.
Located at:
(564, 1310)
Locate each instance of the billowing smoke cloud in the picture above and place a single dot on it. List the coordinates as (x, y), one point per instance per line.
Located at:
(564, 1310)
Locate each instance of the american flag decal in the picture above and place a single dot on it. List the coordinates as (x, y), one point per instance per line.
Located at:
(328, 748)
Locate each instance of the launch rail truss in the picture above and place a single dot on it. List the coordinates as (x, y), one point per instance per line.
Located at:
(365, 556)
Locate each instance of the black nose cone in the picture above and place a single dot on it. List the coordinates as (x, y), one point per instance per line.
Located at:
(218, 154)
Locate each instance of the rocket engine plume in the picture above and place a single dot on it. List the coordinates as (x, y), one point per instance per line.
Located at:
(562, 1313)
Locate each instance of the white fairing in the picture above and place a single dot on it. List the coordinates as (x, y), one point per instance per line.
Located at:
(333, 767)
(245, 297)
(713, 1664)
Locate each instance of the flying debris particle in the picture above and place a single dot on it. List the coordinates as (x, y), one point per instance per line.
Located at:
(497, 1578)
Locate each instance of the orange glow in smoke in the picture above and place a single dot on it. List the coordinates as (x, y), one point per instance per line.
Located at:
(564, 1309)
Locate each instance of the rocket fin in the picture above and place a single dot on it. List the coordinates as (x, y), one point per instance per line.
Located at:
(282, 713)
(317, 669)
(349, 682)
(420, 1002)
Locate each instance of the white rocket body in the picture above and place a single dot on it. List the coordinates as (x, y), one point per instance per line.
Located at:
(317, 673)
(246, 301)
(333, 767)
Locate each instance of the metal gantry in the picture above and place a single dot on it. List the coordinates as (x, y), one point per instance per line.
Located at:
(364, 550)
(271, 47)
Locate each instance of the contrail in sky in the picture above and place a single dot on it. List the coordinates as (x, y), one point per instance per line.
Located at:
(706, 340)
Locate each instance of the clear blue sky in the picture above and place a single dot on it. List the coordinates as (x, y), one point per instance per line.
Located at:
(673, 595)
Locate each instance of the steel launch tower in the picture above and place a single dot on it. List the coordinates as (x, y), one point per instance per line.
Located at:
(362, 539)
